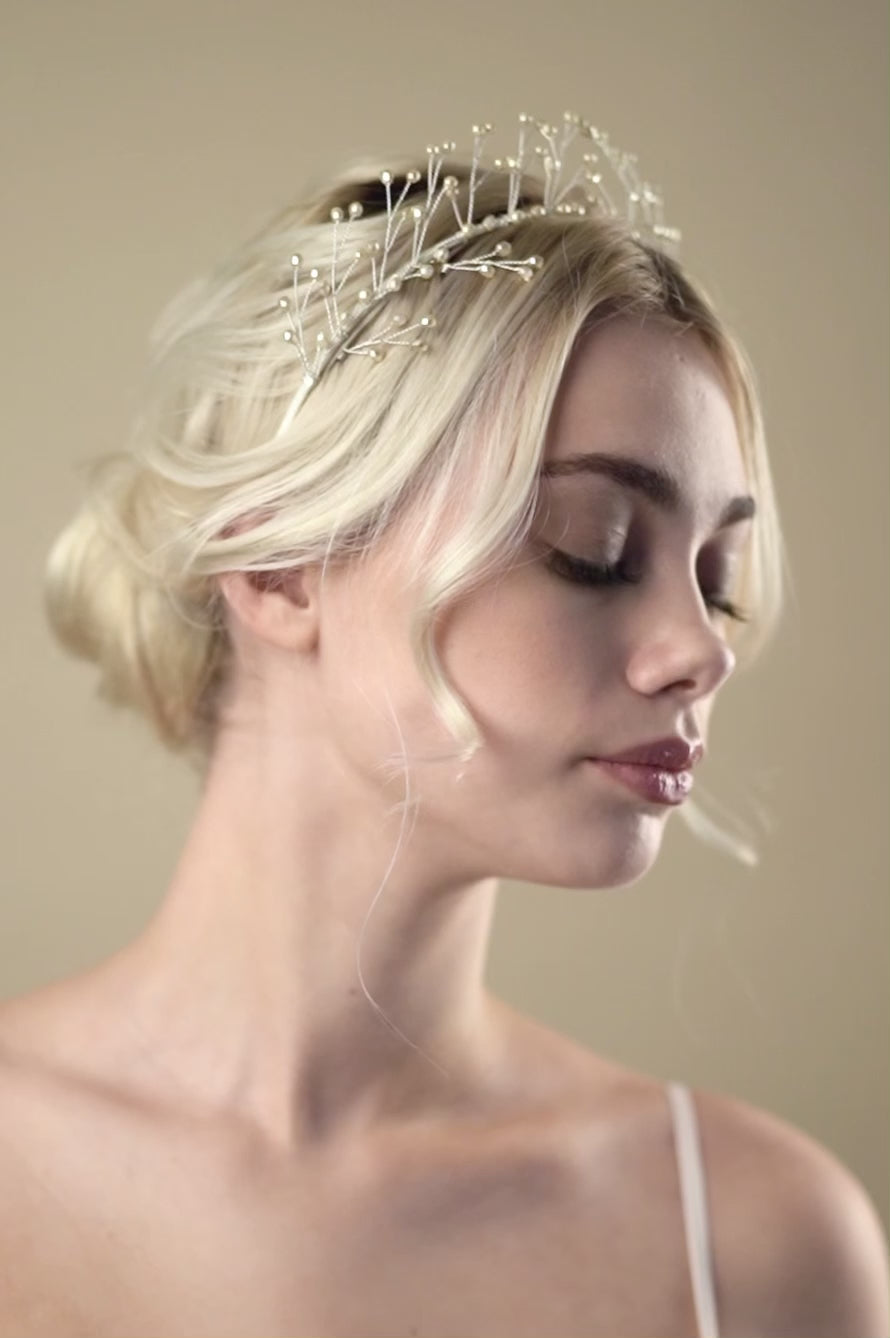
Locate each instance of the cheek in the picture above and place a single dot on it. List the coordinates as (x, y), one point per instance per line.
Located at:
(527, 666)
(495, 650)
(375, 702)
(532, 670)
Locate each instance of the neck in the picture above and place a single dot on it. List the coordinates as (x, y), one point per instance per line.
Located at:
(245, 982)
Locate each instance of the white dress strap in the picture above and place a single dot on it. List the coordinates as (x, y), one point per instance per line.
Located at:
(695, 1207)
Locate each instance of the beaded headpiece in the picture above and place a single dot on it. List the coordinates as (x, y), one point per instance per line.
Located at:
(549, 147)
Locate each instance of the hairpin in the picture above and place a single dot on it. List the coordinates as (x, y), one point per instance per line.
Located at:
(538, 141)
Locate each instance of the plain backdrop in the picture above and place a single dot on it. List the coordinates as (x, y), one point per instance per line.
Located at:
(141, 141)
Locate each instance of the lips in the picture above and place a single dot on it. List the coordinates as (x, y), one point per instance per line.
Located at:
(670, 754)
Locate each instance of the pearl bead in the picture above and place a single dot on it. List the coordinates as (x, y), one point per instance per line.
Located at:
(554, 197)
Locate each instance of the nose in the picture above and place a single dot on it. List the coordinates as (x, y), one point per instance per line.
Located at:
(679, 643)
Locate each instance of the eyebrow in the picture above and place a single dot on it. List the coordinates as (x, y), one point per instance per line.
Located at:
(658, 485)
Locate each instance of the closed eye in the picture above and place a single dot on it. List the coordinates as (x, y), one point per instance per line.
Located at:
(590, 573)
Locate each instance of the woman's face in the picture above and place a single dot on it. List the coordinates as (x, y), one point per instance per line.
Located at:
(557, 671)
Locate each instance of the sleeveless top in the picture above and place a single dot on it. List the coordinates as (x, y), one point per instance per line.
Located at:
(695, 1207)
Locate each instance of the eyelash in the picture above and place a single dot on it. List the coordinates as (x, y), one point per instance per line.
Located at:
(589, 573)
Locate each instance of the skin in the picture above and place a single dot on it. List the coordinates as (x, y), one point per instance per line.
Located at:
(243, 986)
(215, 1120)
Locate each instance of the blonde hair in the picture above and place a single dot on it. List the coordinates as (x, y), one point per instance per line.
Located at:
(131, 581)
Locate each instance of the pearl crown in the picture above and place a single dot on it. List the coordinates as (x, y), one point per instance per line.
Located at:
(539, 143)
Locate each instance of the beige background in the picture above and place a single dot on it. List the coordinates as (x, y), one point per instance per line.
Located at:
(142, 140)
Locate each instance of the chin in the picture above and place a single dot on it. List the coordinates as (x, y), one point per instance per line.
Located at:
(622, 862)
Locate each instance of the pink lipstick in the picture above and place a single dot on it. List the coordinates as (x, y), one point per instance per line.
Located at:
(657, 784)
(660, 771)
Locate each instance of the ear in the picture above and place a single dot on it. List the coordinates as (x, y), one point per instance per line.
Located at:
(278, 607)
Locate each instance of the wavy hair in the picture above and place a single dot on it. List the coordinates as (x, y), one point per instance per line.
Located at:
(206, 486)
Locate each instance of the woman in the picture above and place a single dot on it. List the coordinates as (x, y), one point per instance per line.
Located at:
(400, 616)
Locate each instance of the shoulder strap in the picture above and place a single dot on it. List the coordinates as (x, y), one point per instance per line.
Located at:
(695, 1207)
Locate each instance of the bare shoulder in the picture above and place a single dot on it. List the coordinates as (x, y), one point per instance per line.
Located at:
(25, 1194)
(56, 1137)
(798, 1244)
(34, 1078)
(46, 1081)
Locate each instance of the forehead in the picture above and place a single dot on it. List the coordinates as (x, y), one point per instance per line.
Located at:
(653, 395)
